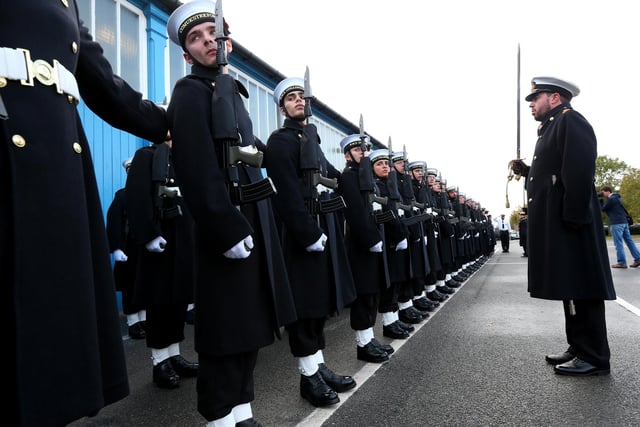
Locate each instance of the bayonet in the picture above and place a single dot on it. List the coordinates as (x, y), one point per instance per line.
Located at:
(221, 38)
(308, 95)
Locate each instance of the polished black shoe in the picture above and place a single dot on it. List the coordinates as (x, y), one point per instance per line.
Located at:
(452, 283)
(410, 315)
(183, 367)
(164, 376)
(190, 316)
(371, 353)
(316, 391)
(423, 304)
(557, 359)
(437, 296)
(249, 422)
(136, 331)
(339, 383)
(384, 347)
(407, 327)
(579, 368)
(395, 331)
(444, 289)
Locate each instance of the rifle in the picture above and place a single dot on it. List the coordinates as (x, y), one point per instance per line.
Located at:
(392, 185)
(166, 198)
(310, 163)
(367, 184)
(226, 129)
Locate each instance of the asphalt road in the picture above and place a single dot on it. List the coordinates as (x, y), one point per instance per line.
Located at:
(477, 361)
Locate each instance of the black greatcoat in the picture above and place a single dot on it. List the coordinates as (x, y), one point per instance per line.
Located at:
(361, 233)
(59, 311)
(398, 262)
(321, 282)
(166, 277)
(241, 302)
(565, 263)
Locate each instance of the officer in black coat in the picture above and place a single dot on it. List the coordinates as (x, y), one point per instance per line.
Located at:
(54, 257)
(124, 253)
(312, 241)
(242, 291)
(522, 231)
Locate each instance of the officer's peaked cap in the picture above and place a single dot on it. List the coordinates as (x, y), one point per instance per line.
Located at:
(188, 16)
(377, 155)
(551, 85)
(284, 87)
(351, 141)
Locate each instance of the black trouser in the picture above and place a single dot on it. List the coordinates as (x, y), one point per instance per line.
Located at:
(504, 239)
(363, 312)
(587, 331)
(165, 325)
(306, 336)
(224, 382)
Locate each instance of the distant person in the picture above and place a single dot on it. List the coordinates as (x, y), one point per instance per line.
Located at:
(59, 313)
(619, 228)
(568, 257)
(504, 228)
(522, 231)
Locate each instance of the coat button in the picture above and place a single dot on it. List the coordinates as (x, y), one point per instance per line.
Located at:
(530, 179)
(18, 141)
(3, 82)
(65, 3)
(74, 47)
(530, 200)
(77, 148)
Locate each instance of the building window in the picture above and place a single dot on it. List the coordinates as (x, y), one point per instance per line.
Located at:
(119, 27)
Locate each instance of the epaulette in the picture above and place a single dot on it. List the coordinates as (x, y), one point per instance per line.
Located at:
(566, 109)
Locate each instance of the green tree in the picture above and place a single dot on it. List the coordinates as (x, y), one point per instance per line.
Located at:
(610, 172)
(630, 192)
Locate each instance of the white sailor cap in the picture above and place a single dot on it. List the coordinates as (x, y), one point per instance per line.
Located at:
(351, 141)
(418, 164)
(127, 162)
(285, 86)
(189, 15)
(380, 154)
(451, 188)
(552, 85)
(397, 155)
(432, 171)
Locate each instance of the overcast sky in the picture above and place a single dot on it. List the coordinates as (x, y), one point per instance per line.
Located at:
(441, 76)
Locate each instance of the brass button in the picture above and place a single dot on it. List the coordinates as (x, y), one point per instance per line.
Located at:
(65, 3)
(3, 82)
(74, 47)
(18, 141)
(77, 148)
(530, 200)
(171, 180)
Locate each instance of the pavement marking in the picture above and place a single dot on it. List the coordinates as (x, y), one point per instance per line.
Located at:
(635, 310)
(319, 415)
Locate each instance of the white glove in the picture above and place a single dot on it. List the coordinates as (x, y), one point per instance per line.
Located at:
(377, 247)
(319, 245)
(119, 256)
(402, 245)
(156, 245)
(435, 234)
(241, 250)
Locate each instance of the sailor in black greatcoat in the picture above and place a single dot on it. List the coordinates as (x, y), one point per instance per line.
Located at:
(242, 289)
(58, 310)
(312, 240)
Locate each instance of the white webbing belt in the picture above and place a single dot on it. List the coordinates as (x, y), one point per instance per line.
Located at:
(16, 64)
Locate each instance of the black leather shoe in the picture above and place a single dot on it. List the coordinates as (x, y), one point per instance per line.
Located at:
(371, 353)
(557, 359)
(384, 347)
(407, 327)
(452, 283)
(339, 383)
(437, 296)
(136, 332)
(249, 422)
(183, 367)
(444, 289)
(316, 391)
(395, 331)
(410, 315)
(164, 376)
(579, 368)
(423, 304)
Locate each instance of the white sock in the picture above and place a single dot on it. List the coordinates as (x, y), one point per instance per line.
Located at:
(142, 315)
(307, 365)
(319, 357)
(364, 337)
(242, 412)
(174, 349)
(440, 283)
(389, 317)
(159, 355)
(405, 305)
(190, 307)
(132, 319)
(422, 295)
(226, 421)
(447, 277)
(430, 288)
